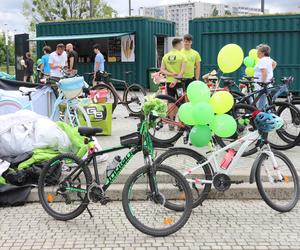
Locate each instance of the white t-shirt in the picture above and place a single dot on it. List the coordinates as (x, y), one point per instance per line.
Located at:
(264, 63)
(57, 60)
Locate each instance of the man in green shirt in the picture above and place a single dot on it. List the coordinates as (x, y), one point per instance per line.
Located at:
(173, 66)
(192, 71)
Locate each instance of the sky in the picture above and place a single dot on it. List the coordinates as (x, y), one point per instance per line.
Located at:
(11, 10)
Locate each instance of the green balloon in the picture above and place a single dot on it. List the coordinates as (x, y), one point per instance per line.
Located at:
(224, 125)
(200, 135)
(185, 114)
(197, 92)
(203, 113)
(249, 61)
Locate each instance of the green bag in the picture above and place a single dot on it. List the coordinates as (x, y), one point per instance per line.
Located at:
(100, 115)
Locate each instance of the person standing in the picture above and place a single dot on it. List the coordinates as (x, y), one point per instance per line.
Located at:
(28, 65)
(173, 66)
(192, 71)
(45, 67)
(72, 59)
(263, 71)
(58, 60)
(99, 63)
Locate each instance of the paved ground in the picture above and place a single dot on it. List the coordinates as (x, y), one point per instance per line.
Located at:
(217, 225)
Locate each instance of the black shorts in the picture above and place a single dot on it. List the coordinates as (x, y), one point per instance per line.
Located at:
(174, 91)
(187, 82)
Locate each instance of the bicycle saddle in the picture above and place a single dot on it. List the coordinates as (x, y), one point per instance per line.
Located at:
(89, 132)
(27, 91)
(246, 81)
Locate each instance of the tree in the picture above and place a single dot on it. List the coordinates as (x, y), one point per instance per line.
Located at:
(215, 12)
(227, 13)
(11, 51)
(56, 10)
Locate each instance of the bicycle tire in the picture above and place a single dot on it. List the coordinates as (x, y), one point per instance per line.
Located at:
(198, 158)
(42, 183)
(221, 141)
(6, 105)
(111, 92)
(180, 131)
(134, 88)
(262, 191)
(128, 208)
(290, 140)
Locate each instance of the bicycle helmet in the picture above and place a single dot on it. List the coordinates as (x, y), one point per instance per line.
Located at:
(267, 122)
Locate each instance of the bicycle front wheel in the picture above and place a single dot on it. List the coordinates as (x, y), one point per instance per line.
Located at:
(134, 98)
(185, 159)
(63, 189)
(149, 210)
(277, 181)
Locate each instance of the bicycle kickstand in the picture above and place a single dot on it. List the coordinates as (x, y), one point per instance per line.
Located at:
(90, 213)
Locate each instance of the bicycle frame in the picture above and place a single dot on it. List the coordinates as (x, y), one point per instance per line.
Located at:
(244, 143)
(146, 147)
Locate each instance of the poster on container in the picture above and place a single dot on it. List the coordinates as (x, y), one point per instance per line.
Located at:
(128, 46)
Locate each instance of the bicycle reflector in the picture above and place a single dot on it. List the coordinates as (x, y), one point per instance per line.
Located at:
(50, 198)
(168, 221)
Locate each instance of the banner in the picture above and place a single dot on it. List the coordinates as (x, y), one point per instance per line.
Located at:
(127, 47)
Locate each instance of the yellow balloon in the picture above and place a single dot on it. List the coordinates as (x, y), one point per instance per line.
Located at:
(253, 53)
(221, 102)
(249, 71)
(230, 58)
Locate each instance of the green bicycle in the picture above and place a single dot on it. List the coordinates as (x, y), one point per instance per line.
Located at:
(152, 198)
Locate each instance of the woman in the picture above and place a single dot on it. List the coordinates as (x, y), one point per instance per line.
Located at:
(263, 70)
(28, 65)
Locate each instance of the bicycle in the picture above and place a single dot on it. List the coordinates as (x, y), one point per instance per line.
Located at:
(68, 179)
(71, 111)
(133, 96)
(267, 170)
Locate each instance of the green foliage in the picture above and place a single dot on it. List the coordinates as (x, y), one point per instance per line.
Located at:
(11, 50)
(155, 106)
(56, 10)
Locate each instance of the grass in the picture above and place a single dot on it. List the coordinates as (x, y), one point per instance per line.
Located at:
(11, 69)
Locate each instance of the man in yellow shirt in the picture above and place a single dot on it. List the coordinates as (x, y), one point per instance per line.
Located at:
(192, 71)
(173, 66)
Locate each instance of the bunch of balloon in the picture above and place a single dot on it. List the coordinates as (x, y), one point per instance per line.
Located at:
(207, 114)
(250, 61)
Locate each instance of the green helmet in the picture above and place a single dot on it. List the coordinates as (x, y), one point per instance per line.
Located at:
(39, 62)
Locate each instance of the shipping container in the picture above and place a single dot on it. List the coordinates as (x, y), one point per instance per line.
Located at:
(281, 32)
(148, 35)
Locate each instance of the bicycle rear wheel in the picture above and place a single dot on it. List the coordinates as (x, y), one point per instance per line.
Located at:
(149, 211)
(167, 130)
(277, 185)
(134, 98)
(62, 189)
(111, 97)
(185, 159)
(288, 136)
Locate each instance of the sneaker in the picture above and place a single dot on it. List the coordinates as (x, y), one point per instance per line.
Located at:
(102, 158)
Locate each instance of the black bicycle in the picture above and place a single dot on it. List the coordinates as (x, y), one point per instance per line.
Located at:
(133, 96)
(156, 199)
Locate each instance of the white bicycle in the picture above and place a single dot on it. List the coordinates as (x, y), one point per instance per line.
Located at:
(272, 171)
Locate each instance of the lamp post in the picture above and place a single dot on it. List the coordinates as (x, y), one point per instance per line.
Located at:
(262, 6)
(6, 46)
(91, 8)
(130, 9)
